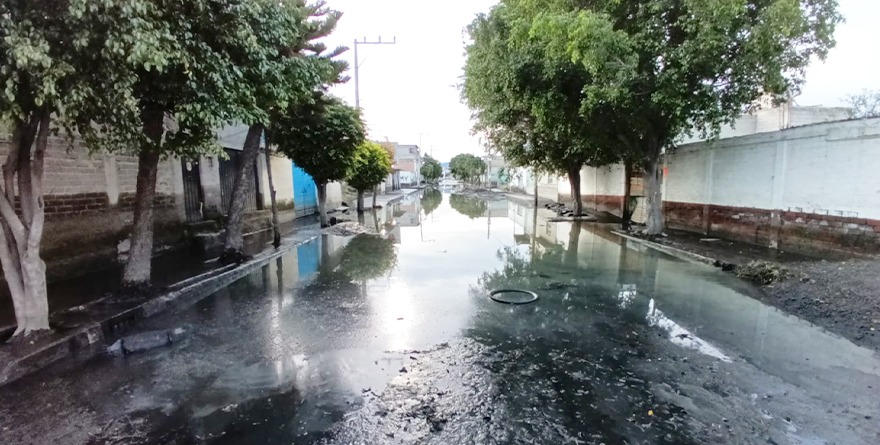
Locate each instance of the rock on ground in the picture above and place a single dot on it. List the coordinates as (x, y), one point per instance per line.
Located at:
(348, 228)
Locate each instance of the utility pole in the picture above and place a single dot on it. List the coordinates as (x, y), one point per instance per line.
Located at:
(357, 63)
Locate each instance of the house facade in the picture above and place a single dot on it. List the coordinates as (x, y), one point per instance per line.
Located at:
(408, 159)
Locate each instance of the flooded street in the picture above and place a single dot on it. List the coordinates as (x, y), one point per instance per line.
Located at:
(373, 341)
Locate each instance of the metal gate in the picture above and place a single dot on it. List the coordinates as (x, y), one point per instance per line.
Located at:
(193, 195)
(305, 193)
(228, 167)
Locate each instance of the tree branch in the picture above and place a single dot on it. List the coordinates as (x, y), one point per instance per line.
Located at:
(38, 217)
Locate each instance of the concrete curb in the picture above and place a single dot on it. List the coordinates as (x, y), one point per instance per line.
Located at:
(674, 251)
(397, 197)
(88, 340)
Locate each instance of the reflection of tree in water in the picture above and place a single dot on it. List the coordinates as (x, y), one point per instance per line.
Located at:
(367, 257)
(333, 302)
(431, 199)
(571, 352)
(469, 206)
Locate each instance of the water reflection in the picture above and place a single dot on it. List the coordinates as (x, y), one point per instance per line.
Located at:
(470, 206)
(431, 200)
(326, 328)
(681, 336)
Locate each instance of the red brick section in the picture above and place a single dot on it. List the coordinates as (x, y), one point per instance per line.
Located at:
(85, 203)
(792, 231)
(126, 201)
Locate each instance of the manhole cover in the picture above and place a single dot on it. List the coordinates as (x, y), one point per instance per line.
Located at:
(513, 296)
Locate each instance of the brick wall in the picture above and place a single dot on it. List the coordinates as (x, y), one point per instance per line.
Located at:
(76, 183)
(78, 190)
(792, 231)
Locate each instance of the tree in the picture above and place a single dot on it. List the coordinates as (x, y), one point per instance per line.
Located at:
(58, 61)
(431, 169)
(864, 105)
(665, 67)
(195, 83)
(321, 137)
(527, 104)
(467, 168)
(371, 166)
(283, 66)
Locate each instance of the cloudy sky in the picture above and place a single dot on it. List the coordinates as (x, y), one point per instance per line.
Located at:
(409, 94)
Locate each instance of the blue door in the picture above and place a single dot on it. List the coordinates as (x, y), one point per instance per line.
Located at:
(305, 193)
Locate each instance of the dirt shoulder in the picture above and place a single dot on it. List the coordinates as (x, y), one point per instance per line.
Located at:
(841, 295)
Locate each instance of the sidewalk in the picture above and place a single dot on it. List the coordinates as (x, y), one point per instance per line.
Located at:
(79, 331)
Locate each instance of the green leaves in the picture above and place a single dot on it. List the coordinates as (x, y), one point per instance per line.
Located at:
(321, 137)
(371, 165)
(431, 169)
(467, 167)
(630, 76)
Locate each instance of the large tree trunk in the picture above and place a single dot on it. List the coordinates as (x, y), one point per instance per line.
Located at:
(138, 267)
(23, 269)
(653, 192)
(626, 212)
(375, 192)
(233, 249)
(322, 200)
(276, 225)
(360, 201)
(574, 178)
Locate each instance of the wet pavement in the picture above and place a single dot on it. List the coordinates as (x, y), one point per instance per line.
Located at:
(375, 341)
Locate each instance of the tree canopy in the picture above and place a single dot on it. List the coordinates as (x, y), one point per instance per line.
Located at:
(321, 137)
(528, 104)
(467, 168)
(59, 61)
(654, 70)
(370, 167)
(431, 169)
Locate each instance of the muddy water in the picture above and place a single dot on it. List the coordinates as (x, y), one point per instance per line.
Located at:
(349, 341)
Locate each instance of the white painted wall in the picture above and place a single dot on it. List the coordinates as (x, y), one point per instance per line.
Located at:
(282, 177)
(601, 181)
(823, 168)
(334, 195)
(407, 177)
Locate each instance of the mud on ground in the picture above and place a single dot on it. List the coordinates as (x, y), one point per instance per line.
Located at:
(843, 297)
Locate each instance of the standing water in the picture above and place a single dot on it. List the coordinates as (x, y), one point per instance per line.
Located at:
(394, 340)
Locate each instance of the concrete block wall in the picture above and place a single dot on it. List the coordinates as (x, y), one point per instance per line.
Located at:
(89, 198)
(810, 189)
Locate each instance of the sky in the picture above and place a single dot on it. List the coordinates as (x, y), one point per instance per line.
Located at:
(409, 91)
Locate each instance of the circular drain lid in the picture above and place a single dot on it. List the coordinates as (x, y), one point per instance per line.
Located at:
(513, 296)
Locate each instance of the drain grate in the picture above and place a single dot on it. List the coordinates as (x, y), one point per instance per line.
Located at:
(513, 296)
